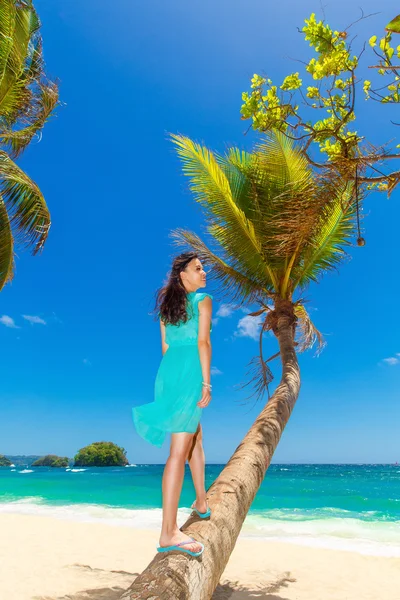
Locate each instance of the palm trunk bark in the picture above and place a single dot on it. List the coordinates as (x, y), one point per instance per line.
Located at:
(176, 576)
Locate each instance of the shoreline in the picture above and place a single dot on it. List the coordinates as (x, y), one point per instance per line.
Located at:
(343, 532)
(49, 558)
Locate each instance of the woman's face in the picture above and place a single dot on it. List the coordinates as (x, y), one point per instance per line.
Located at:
(194, 276)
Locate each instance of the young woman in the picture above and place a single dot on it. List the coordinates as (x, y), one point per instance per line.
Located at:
(182, 390)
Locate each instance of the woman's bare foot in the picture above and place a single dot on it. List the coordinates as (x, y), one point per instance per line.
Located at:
(176, 538)
(202, 506)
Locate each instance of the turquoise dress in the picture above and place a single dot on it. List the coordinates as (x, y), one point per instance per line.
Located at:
(178, 385)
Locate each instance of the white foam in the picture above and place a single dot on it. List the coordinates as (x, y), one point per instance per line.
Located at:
(377, 538)
(124, 517)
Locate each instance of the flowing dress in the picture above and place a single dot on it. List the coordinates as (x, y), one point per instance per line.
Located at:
(178, 383)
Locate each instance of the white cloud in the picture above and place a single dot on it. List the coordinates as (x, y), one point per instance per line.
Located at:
(225, 310)
(392, 360)
(215, 371)
(8, 322)
(34, 320)
(249, 327)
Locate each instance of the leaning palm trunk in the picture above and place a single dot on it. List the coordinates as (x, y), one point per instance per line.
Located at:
(178, 577)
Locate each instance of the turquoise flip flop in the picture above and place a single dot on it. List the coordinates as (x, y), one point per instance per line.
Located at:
(177, 547)
(205, 514)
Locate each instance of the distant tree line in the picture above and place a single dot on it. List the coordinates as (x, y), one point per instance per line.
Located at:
(98, 454)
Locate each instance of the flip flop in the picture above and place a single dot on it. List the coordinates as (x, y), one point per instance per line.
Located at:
(176, 547)
(203, 515)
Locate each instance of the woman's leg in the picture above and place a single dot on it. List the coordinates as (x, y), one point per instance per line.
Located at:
(197, 463)
(171, 489)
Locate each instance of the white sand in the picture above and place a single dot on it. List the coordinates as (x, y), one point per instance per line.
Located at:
(44, 558)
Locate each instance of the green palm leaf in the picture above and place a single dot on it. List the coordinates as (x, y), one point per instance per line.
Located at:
(7, 25)
(27, 100)
(236, 166)
(286, 167)
(332, 232)
(6, 247)
(15, 94)
(45, 101)
(212, 190)
(26, 206)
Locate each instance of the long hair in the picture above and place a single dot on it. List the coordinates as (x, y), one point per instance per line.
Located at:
(171, 298)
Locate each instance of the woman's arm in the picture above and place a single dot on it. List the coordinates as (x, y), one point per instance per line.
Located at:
(204, 342)
(164, 346)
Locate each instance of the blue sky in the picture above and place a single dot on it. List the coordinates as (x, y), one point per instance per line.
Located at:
(87, 349)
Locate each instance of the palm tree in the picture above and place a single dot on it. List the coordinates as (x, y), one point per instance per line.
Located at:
(276, 227)
(27, 99)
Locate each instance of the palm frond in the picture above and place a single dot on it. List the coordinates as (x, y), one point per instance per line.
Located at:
(306, 332)
(211, 189)
(27, 97)
(6, 247)
(331, 233)
(276, 188)
(291, 205)
(236, 166)
(28, 212)
(254, 194)
(15, 141)
(15, 95)
(230, 251)
(8, 14)
(283, 161)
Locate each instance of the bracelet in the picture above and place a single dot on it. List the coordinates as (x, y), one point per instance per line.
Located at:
(207, 385)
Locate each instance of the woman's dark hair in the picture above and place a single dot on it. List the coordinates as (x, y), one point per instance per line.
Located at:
(171, 298)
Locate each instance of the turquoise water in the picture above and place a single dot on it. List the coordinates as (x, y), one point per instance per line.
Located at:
(352, 507)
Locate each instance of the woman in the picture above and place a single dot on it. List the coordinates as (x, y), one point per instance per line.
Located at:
(182, 390)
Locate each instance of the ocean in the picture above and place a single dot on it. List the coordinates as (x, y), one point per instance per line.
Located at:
(346, 507)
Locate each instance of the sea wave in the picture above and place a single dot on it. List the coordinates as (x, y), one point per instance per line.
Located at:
(378, 538)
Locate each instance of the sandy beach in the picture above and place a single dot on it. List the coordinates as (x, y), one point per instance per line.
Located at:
(44, 558)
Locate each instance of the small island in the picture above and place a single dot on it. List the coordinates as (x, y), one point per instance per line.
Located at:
(4, 462)
(51, 460)
(101, 454)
